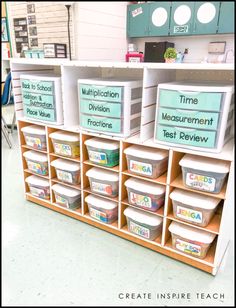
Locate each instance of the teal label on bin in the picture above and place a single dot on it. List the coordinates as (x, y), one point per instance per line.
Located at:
(38, 99)
(111, 94)
(187, 118)
(199, 138)
(100, 124)
(100, 108)
(193, 100)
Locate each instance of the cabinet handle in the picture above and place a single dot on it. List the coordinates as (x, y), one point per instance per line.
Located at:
(194, 26)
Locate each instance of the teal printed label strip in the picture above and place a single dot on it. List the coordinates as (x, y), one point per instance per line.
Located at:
(198, 138)
(101, 124)
(192, 119)
(38, 86)
(111, 94)
(100, 108)
(38, 100)
(39, 113)
(193, 100)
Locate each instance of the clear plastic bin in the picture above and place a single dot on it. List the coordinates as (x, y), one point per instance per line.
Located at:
(101, 209)
(103, 152)
(192, 207)
(143, 224)
(145, 161)
(66, 143)
(35, 136)
(190, 240)
(36, 162)
(67, 197)
(145, 195)
(38, 187)
(67, 171)
(103, 182)
(203, 173)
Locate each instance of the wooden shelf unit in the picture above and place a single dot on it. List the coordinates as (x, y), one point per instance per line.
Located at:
(73, 70)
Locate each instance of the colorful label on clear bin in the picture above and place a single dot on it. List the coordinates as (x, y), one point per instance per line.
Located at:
(137, 229)
(98, 215)
(201, 182)
(33, 142)
(98, 157)
(101, 188)
(192, 137)
(140, 200)
(64, 176)
(188, 247)
(62, 201)
(40, 193)
(139, 167)
(189, 214)
(63, 149)
(36, 167)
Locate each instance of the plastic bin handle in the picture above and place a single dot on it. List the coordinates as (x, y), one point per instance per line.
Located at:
(187, 111)
(189, 92)
(186, 129)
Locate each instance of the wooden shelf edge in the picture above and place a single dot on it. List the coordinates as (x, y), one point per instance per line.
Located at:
(163, 250)
(162, 180)
(42, 176)
(24, 146)
(159, 212)
(115, 169)
(77, 160)
(55, 180)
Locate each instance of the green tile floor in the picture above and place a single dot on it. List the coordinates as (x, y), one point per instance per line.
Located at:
(52, 260)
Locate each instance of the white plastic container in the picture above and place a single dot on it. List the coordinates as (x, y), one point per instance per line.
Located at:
(190, 240)
(42, 97)
(145, 161)
(193, 207)
(36, 162)
(67, 171)
(203, 173)
(35, 136)
(66, 196)
(38, 187)
(103, 152)
(143, 224)
(101, 209)
(145, 195)
(66, 143)
(103, 182)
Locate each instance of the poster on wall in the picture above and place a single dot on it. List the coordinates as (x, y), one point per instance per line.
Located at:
(4, 30)
(21, 33)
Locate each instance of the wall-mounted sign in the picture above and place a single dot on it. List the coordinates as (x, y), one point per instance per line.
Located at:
(5, 37)
(21, 33)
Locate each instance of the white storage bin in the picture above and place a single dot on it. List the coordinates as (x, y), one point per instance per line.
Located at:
(35, 136)
(110, 105)
(203, 173)
(143, 224)
(36, 162)
(103, 152)
(146, 161)
(194, 114)
(101, 209)
(145, 195)
(66, 143)
(190, 240)
(103, 182)
(67, 171)
(38, 187)
(66, 196)
(42, 97)
(193, 207)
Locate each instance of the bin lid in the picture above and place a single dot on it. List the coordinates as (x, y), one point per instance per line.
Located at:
(144, 186)
(34, 129)
(146, 153)
(65, 165)
(65, 190)
(191, 233)
(101, 174)
(204, 163)
(194, 199)
(143, 217)
(64, 136)
(102, 143)
(36, 156)
(35, 180)
(101, 202)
